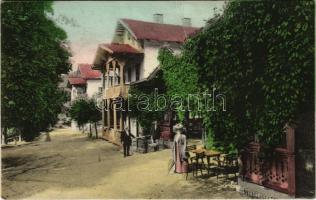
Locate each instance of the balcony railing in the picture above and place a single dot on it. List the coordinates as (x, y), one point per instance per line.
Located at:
(116, 91)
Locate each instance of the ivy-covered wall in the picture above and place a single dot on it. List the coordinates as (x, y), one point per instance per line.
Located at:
(260, 54)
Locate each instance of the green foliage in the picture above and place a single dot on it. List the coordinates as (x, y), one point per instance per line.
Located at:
(84, 111)
(260, 54)
(146, 117)
(94, 114)
(180, 76)
(79, 111)
(32, 60)
(209, 143)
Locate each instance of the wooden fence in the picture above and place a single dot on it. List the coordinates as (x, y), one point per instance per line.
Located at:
(277, 172)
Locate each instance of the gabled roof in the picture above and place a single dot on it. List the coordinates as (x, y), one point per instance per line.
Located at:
(119, 48)
(157, 31)
(76, 81)
(86, 72)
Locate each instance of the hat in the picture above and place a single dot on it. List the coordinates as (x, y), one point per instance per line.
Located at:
(177, 127)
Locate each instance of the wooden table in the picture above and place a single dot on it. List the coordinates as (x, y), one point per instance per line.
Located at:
(208, 154)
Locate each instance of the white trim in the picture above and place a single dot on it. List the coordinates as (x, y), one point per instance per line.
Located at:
(127, 28)
(102, 46)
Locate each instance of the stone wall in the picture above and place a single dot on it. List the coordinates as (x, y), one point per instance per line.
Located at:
(259, 192)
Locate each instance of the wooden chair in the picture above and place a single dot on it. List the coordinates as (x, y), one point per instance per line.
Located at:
(211, 167)
(198, 162)
(229, 165)
(191, 147)
(191, 165)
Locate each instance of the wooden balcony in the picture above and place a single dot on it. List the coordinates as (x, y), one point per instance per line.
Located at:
(116, 91)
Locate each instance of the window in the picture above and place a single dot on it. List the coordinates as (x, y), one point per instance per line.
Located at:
(100, 89)
(129, 75)
(118, 80)
(111, 81)
(137, 69)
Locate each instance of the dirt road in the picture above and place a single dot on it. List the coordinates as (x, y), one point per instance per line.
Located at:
(73, 166)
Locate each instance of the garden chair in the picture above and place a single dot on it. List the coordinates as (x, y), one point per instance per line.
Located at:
(212, 167)
(198, 163)
(229, 165)
(191, 165)
(191, 147)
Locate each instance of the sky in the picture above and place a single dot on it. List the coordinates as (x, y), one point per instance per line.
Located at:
(90, 23)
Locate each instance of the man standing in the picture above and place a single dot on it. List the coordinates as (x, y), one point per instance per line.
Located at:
(126, 140)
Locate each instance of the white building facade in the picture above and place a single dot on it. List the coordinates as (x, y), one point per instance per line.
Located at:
(84, 83)
(132, 55)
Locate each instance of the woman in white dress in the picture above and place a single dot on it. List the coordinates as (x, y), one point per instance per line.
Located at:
(178, 150)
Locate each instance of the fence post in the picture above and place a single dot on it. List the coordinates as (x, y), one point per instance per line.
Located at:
(290, 146)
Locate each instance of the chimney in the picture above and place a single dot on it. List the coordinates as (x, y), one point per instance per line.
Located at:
(186, 21)
(158, 18)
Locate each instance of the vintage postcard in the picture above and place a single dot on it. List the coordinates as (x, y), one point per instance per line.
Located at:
(158, 99)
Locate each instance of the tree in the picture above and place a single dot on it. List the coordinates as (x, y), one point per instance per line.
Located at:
(85, 111)
(79, 112)
(94, 115)
(33, 58)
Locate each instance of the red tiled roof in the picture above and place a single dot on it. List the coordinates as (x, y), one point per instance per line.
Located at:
(119, 48)
(87, 72)
(76, 81)
(159, 32)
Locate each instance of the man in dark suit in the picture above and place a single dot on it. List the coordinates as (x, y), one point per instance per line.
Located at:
(126, 140)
